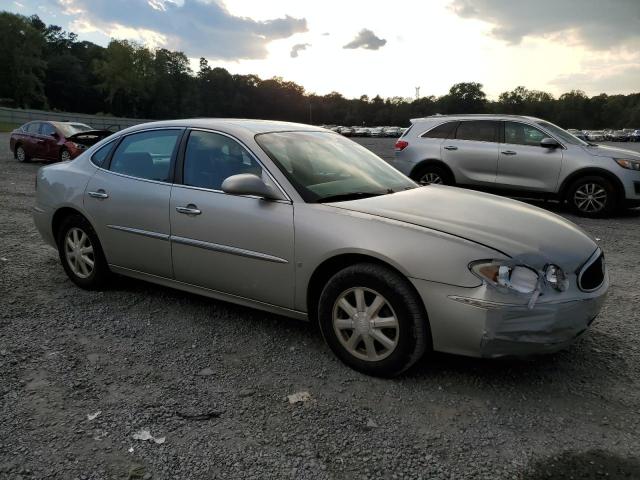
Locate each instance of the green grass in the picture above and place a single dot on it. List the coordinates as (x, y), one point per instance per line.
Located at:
(7, 127)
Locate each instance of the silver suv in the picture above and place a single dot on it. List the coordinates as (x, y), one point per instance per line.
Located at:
(519, 156)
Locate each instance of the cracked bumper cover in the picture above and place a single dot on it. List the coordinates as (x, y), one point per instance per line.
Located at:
(480, 322)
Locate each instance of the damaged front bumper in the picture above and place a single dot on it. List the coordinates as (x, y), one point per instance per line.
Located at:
(481, 322)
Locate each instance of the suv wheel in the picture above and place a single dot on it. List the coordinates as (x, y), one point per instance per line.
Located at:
(81, 254)
(21, 154)
(373, 320)
(592, 196)
(433, 174)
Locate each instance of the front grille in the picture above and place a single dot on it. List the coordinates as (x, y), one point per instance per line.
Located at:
(592, 274)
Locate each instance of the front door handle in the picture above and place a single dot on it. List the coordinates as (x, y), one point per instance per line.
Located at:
(99, 194)
(450, 147)
(508, 152)
(190, 209)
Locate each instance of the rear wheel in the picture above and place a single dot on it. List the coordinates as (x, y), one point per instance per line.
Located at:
(21, 154)
(592, 196)
(433, 174)
(373, 320)
(81, 254)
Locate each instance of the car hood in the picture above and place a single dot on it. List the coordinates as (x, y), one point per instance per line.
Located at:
(511, 227)
(89, 137)
(611, 152)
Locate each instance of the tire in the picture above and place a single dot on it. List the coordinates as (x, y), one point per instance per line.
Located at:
(404, 344)
(71, 232)
(592, 197)
(64, 156)
(21, 154)
(436, 174)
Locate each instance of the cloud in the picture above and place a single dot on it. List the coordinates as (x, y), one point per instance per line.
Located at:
(298, 47)
(600, 24)
(594, 80)
(366, 39)
(197, 27)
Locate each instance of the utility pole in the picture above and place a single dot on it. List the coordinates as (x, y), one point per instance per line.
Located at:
(417, 93)
(310, 115)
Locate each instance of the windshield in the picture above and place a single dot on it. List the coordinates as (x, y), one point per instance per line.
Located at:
(323, 166)
(69, 129)
(561, 134)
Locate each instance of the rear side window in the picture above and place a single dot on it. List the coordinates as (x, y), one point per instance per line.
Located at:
(146, 155)
(445, 130)
(478, 130)
(211, 158)
(101, 155)
(33, 127)
(520, 134)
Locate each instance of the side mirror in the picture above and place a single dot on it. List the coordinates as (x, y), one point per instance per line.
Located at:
(249, 184)
(549, 143)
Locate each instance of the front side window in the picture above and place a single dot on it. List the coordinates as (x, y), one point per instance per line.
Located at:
(520, 134)
(211, 158)
(146, 155)
(325, 167)
(445, 130)
(47, 129)
(478, 130)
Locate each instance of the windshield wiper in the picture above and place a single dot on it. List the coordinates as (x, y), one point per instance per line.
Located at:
(343, 197)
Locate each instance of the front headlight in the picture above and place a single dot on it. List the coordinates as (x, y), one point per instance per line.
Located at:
(516, 278)
(556, 278)
(79, 146)
(628, 163)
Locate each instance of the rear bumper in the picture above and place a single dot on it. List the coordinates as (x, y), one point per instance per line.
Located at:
(42, 220)
(473, 322)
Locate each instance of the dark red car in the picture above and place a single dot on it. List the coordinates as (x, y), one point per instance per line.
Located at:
(57, 141)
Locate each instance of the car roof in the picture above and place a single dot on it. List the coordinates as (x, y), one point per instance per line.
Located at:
(246, 126)
(472, 116)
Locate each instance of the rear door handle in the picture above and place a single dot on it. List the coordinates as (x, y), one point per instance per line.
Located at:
(508, 152)
(450, 147)
(99, 194)
(190, 209)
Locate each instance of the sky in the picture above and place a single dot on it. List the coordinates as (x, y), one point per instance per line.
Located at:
(370, 47)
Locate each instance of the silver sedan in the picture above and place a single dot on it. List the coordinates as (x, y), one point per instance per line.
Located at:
(300, 221)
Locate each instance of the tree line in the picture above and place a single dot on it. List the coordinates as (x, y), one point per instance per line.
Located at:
(43, 66)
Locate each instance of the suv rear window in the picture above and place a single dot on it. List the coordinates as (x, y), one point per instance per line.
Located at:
(478, 130)
(444, 130)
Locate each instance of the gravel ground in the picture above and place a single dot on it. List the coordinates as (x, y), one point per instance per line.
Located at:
(82, 372)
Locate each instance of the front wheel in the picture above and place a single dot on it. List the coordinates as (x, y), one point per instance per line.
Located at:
(592, 196)
(65, 156)
(81, 254)
(373, 320)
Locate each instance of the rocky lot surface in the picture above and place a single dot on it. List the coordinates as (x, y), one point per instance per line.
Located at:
(140, 381)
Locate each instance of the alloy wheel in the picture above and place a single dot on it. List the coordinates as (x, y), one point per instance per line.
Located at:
(20, 154)
(79, 252)
(65, 156)
(590, 198)
(429, 178)
(365, 324)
